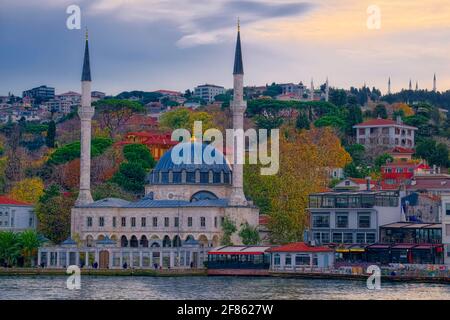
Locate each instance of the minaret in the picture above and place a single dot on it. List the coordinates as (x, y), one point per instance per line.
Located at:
(311, 95)
(327, 91)
(410, 85)
(85, 112)
(389, 86)
(417, 85)
(434, 83)
(238, 107)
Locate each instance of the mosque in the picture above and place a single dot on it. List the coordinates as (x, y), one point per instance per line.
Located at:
(178, 219)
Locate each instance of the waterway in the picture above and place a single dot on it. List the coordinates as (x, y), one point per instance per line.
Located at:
(222, 288)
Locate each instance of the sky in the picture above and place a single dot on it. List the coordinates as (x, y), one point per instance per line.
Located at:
(178, 44)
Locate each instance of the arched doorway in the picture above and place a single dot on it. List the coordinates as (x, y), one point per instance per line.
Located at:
(123, 242)
(190, 237)
(104, 259)
(215, 241)
(100, 237)
(89, 241)
(144, 241)
(203, 241)
(176, 241)
(166, 242)
(134, 242)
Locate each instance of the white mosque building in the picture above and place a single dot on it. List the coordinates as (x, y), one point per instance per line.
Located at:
(180, 216)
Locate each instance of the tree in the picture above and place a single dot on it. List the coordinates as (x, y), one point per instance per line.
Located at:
(302, 121)
(54, 215)
(435, 153)
(71, 151)
(182, 118)
(228, 228)
(330, 121)
(29, 243)
(380, 111)
(51, 135)
(139, 153)
(110, 190)
(381, 160)
(131, 177)
(249, 234)
(28, 190)
(353, 117)
(114, 113)
(9, 248)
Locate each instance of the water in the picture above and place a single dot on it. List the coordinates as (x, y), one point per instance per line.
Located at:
(197, 288)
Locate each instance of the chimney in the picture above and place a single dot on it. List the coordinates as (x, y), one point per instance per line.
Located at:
(368, 183)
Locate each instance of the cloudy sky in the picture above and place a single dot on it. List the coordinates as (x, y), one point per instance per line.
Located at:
(177, 44)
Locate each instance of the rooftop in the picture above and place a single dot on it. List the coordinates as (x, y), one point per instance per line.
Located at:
(300, 247)
(4, 200)
(381, 123)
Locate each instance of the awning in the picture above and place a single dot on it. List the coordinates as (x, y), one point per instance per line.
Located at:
(379, 246)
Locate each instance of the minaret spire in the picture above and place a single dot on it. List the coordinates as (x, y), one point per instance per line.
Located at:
(417, 85)
(311, 95)
(85, 112)
(238, 107)
(327, 91)
(389, 86)
(434, 83)
(410, 85)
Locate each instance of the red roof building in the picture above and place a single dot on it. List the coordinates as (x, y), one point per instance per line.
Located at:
(4, 200)
(157, 143)
(401, 172)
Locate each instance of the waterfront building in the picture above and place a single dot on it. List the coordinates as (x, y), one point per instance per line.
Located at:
(386, 133)
(445, 219)
(239, 260)
(16, 215)
(43, 92)
(300, 255)
(208, 92)
(184, 202)
(352, 217)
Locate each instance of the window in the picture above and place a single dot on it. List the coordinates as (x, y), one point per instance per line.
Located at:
(337, 237)
(447, 209)
(190, 177)
(288, 260)
(342, 220)
(124, 222)
(370, 237)
(177, 222)
(321, 221)
(447, 230)
(215, 222)
(360, 237)
(348, 237)
(133, 222)
(364, 220)
(204, 177)
(302, 260)
(143, 222)
(276, 259)
(189, 221)
(30, 222)
(89, 221)
(155, 221)
(202, 222)
(114, 222)
(101, 221)
(166, 222)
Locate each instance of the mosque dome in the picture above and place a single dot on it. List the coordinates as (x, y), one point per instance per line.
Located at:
(186, 171)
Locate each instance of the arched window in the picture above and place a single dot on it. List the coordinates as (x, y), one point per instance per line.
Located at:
(123, 242)
(190, 237)
(288, 260)
(134, 242)
(177, 177)
(166, 242)
(216, 177)
(89, 241)
(204, 177)
(226, 177)
(276, 259)
(176, 241)
(203, 195)
(190, 177)
(144, 242)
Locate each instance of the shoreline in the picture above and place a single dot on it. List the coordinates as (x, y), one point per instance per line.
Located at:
(204, 272)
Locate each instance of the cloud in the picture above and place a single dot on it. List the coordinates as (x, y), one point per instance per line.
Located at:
(200, 21)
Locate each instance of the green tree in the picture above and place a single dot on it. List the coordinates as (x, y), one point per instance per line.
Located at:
(249, 234)
(9, 248)
(330, 121)
(51, 135)
(29, 243)
(228, 228)
(71, 151)
(131, 177)
(110, 190)
(302, 121)
(381, 160)
(380, 111)
(54, 216)
(435, 153)
(114, 113)
(353, 117)
(139, 153)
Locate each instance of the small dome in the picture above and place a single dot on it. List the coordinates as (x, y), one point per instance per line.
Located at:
(166, 164)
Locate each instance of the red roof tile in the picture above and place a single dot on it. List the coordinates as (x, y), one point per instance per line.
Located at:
(381, 122)
(299, 247)
(402, 150)
(7, 200)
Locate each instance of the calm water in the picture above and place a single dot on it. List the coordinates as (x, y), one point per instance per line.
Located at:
(210, 288)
